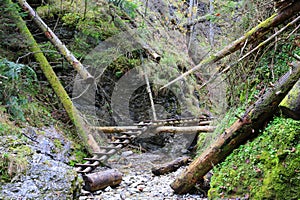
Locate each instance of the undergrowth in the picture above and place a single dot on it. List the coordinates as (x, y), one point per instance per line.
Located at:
(266, 168)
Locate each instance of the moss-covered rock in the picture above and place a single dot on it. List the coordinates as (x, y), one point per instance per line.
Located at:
(266, 168)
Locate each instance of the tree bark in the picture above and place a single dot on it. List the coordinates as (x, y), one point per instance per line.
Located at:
(100, 180)
(290, 105)
(253, 35)
(171, 166)
(244, 128)
(86, 139)
(57, 43)
(187, 130)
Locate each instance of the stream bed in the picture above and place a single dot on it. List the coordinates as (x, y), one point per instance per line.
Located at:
(138, 181)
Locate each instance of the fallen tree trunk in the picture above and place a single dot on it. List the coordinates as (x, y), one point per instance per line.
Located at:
(189, 129)
(86, 139)
(171, 166)
(170, 129)
(244, 128)
(253, 35)
(290, 105)
(100, 180)
(57, 43)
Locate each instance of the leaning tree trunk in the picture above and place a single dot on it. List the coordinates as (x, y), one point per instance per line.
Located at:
(253, 35)
(244, 128)
(86, 139)
(57, 43)
(290, 105)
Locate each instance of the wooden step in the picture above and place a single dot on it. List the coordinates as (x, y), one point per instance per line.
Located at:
(103, 153)
(94, 159)
(108, 147)
(87, 165)
(116, 143)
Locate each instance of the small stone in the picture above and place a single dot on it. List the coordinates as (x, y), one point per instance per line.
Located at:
(108, 189)
(126, 153)
(140, 188)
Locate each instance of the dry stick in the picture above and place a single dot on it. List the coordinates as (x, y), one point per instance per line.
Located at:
(255, 33)
(246, 55)
(217, 74)
(57, 43)
(86, 139)
(270, 38)
(149, 89)
(244, 128)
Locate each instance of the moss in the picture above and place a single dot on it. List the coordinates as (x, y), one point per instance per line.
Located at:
(14, 159)
(263, 24)
(53, 80)
(290, 101)
(266, 168)
(38, 115)
(57, 144)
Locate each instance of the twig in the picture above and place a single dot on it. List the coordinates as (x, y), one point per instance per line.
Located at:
(293, 31)
(4, 77)
(296, 56)
(28, 54)
(84, 91)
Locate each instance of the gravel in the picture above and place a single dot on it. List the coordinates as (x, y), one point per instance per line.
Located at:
(138, 181)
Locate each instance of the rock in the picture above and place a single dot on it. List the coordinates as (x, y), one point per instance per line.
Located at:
(44, 176)
(140, 188)
(126, 153)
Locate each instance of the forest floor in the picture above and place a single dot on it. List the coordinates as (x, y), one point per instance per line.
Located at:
(138, 181)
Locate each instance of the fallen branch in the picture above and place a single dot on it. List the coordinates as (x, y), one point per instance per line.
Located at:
(170, 166)
(57, 43)
(269, 39)
(244, 128)
(252, 35)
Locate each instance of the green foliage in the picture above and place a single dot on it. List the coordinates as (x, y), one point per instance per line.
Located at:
(96, 24)
(79, 154)
(250, 78)
(12, 44)
(128, 6)
(266, 168)
(16, 81)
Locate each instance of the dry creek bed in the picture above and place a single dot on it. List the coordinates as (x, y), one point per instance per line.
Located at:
(138, 181)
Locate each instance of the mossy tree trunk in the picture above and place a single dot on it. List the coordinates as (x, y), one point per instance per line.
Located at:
(86, 139)
(253, 35)
(57, 43)
(290, 105)
(244, 128)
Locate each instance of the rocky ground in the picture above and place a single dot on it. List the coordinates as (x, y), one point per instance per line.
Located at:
(138, 181)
